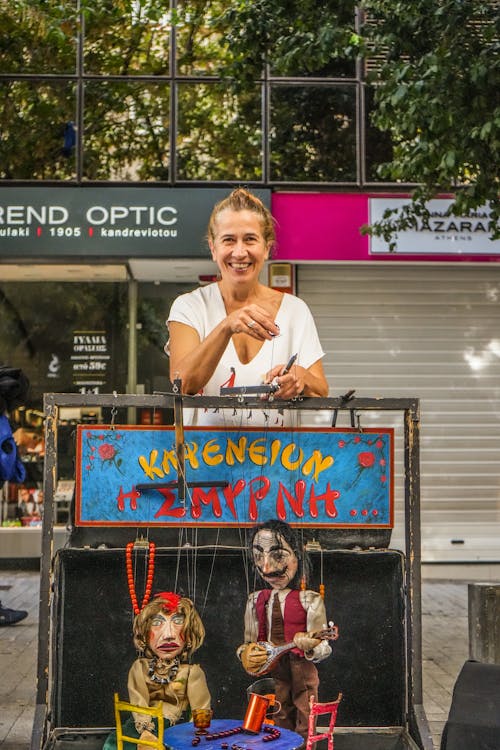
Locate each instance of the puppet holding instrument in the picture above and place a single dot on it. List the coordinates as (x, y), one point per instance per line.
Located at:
(286, 629)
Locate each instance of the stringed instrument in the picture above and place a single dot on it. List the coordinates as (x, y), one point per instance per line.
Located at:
(274, 653)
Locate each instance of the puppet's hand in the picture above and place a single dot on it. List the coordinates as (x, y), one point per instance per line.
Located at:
(305, 641)
(146, 735)
(253, 657)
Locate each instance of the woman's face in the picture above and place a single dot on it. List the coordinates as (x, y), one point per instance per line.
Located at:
(238, 246)
(166, 637)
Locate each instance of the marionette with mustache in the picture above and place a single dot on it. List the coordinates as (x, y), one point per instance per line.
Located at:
(285, 624)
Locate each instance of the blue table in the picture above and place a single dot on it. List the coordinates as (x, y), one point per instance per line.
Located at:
(179, 737)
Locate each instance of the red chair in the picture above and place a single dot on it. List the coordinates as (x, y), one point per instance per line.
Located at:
(315, 710)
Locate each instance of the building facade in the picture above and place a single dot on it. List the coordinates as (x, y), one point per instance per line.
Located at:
(121, 128)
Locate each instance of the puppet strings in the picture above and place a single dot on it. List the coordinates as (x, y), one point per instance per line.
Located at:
(186, 541)
(294, 419)
(188, 538)
(187, 545)
(240, 529)
(243, 532)
(187, 548)
(210, 575)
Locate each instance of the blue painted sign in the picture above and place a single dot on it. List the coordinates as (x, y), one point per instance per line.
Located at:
(332, 477)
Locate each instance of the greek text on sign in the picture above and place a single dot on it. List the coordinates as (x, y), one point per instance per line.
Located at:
(323, 478)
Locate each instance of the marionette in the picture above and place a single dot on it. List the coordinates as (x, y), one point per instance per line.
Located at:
(285, 625)
(166, 632)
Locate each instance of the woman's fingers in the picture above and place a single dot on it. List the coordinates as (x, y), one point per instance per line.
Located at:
(254, 321)
(290, 385)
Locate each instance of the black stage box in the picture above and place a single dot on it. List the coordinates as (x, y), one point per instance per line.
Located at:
(91, 637)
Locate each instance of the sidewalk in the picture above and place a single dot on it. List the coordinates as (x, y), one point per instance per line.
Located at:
(445, 648)
(18, 660)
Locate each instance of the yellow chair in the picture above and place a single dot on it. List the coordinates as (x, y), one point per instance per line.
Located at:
(154, 712)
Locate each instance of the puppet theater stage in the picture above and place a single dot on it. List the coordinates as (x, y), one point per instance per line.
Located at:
(372, 593)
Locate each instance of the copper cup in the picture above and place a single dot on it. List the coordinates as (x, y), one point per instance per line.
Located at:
(255, 713)
(266, 686)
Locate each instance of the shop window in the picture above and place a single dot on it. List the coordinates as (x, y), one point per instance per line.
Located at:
(127, 38)
(154, 301)
(313, 133)
(126, 131)
(219, 133)
(66, 337)
(38, 116)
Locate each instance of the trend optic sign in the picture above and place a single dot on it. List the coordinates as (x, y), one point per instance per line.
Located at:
(324, 478)
(111, 221)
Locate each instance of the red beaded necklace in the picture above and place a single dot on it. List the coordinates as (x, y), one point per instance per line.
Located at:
(149, 577)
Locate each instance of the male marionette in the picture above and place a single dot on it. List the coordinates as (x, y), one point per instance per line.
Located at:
(283, 614)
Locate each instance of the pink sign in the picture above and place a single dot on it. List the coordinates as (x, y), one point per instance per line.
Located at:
(325, 227)
(320, 226)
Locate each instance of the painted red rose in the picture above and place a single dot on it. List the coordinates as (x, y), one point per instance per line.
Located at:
(106, 452)
(366, 459)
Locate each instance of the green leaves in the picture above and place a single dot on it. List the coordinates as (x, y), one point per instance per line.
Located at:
(432, 92)
(437, 95)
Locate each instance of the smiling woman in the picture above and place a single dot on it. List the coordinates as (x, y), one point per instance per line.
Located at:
(237, 331)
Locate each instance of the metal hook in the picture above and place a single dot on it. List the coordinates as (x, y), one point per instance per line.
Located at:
(355, 420)
(344, 399)
(114, 412)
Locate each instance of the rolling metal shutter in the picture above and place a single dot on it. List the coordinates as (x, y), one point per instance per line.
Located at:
(432, 332)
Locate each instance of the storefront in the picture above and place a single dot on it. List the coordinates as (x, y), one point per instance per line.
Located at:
(86, 280)
(422, 321)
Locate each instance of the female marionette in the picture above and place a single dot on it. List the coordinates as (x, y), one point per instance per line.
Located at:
(167, 632)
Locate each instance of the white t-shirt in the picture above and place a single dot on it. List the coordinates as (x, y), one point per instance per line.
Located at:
(203, 309)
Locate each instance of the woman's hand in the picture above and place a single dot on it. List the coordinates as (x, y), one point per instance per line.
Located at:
(300, 381)
(253, 320)
(194, 361)
(291, 384)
